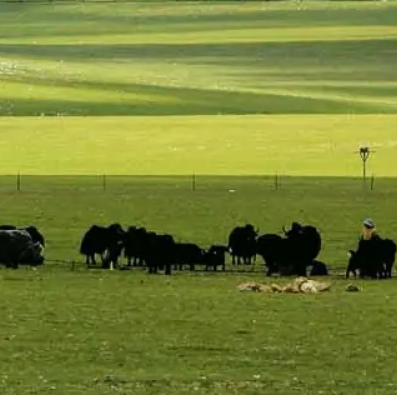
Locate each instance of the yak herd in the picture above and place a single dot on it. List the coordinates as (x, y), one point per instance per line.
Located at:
(292, 253)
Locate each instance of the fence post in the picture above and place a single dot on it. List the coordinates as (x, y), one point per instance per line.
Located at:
(18, 181)
(104, 182)
(276, 181)
(194, 182)
(372, 182)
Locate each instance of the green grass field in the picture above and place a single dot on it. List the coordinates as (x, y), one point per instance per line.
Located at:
(234, 93)
(199, 58)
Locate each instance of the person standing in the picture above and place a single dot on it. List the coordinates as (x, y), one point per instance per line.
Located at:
(369, 230)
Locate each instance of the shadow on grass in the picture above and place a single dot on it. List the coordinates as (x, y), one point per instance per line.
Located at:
(311, 53)
(184, 101)
(193, 17)
(355, 60)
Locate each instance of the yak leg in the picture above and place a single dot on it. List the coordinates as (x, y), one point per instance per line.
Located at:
(389, 271)
(347, 275)
(350, 270)
(253, 262)
(152, 268)
(268, 265)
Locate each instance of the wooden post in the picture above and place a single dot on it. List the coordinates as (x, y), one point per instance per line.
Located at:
(18, 182)
(194, 182)
(372, 182)
(104, 182)
(276, 182)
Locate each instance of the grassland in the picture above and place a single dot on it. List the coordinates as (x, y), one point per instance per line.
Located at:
(305, 145)
(235, 93)
(198, 58)
(75, 332)
(65, 333)
(64, 207)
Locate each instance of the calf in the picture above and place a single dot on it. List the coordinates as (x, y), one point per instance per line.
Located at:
(389, 256)
(216, 256)
(188, 254)
(319, 269)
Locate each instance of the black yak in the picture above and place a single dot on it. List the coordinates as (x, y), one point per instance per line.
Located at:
(101, 240)
(242, 244)
(18, 247)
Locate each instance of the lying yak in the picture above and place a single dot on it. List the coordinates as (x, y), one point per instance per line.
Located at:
(37, 237)
(18, 247)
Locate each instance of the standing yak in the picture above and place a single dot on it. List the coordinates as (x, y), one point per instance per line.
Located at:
(373, 258)
(242, 244)
(156, 251)
(100, 239)
(305, 242)
(215, 256)
(159, 252)
(273, 250)
(134, 245)
(292, 254)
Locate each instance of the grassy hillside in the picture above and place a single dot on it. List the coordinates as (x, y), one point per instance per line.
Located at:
(198, 58)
